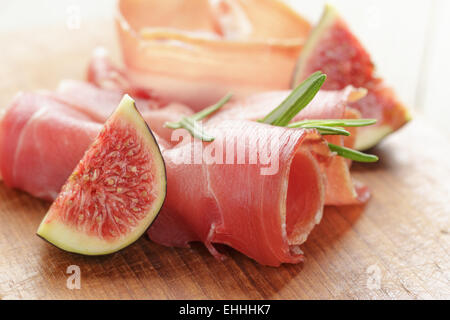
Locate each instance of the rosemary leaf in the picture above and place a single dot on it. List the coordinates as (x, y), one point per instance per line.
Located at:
(328, 131)
(296, 102)
(352, 154)
(349, 123)
(192, 123)
(195, 129)
(210, 110)
(173, 125)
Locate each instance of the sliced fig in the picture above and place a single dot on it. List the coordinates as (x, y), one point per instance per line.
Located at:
(333, 49)
(114, 193)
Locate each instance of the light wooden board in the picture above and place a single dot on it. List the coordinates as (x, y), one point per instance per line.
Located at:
(395, 247)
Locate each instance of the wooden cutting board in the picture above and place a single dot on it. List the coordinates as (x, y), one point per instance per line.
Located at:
(397, 246)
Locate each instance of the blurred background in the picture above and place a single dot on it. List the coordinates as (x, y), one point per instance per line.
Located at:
(408, 40)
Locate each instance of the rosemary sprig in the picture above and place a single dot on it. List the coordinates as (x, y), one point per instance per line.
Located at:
(296, 102)
(299, 99)
(327, 127)
(194, 128)
(210, 110)
(192, 123)
(332, 127)
(283, 114)
(352, 154)
(325, 131)
(349, 123)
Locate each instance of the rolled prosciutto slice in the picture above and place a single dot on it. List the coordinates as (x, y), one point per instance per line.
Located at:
(256, 188)
(262, 197)
(341, 188)
(195, 52)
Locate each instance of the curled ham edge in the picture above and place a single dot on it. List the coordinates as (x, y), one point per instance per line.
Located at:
(341, 188)
(279, 228)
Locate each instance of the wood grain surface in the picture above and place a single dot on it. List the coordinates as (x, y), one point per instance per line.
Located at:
(396, 247)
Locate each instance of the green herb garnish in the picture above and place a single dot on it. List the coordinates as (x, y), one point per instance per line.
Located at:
(335, 123)
(296, 102)
(283, 115)
(332, 127)
(352, 154)
(299, 100)
(325, 131)
(192, 123)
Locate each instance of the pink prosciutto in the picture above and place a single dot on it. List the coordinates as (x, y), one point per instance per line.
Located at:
(41, 141)
(44, 135)
(100, 103)
(267, 217)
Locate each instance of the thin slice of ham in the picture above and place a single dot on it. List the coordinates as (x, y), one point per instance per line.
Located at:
(97, 103)
(341, 188)
(267, 217)
(43, 136)
(41, 139)
(252, 46)
(100, 104)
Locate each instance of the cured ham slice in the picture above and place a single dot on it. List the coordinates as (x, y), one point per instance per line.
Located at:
(41, 141)
(97, 103)
(43, 136)
(197, 63)
(267, 217)
(100, 103)
(341, 189)
(270, 216)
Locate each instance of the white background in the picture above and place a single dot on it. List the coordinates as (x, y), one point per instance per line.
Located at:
(409, 39)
